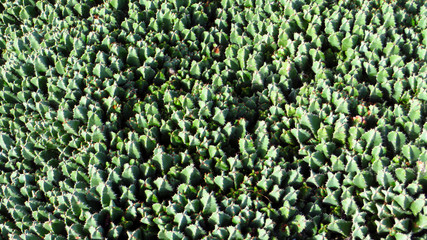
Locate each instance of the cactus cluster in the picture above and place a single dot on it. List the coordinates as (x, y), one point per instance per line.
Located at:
(221, 119)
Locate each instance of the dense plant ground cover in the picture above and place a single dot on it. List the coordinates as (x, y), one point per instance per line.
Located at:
(231, 119)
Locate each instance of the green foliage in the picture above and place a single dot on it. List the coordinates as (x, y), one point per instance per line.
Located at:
(231, 119)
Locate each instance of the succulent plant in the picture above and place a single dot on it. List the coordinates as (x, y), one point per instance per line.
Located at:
(231, 119)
